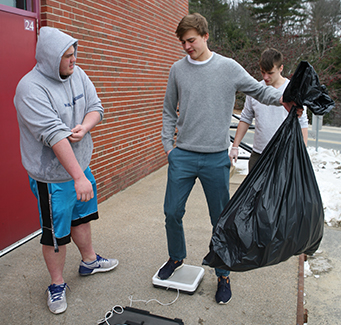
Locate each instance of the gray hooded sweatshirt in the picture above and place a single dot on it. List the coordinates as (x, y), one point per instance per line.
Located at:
(48, 107)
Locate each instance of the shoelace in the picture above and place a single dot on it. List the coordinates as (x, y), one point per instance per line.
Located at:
(102, 259)
(57, 291)
(224, 282)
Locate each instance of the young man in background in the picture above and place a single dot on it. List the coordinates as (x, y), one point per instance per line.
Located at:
(267, 118)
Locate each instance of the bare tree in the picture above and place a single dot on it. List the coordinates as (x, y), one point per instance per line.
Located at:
(325, 23)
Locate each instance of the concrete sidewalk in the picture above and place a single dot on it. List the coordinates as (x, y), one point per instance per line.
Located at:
(322, 285)
(131, 229)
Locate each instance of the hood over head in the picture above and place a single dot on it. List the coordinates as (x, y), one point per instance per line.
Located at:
(51, 45)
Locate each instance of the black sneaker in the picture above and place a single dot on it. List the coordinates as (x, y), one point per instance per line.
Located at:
(169, 268)
(224, 294)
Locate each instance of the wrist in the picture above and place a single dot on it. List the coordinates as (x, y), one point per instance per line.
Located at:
(78, 176)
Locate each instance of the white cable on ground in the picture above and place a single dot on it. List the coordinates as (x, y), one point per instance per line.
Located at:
(148, 301)
(118, 309)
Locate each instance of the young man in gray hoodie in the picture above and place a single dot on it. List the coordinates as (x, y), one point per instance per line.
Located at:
(203, 86)
(57, 106)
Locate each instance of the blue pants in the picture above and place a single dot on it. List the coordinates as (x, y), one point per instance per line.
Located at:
(213, 171)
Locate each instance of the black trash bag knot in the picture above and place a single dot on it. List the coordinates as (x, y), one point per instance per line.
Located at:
(305, 89)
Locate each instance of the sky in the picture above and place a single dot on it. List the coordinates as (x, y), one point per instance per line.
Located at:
(327, 166)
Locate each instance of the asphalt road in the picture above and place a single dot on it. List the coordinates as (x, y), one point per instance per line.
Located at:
(328, 137)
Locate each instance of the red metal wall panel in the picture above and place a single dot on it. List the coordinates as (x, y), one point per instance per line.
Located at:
(18, 207)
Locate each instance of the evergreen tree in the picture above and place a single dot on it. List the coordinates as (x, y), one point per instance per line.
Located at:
(223, 22)
(215, 11)
(278, 15)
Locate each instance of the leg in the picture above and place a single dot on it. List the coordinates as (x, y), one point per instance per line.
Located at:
(215, 177)
(55, 262)
(181, 178)
(83, 213)
(55, 226)
(91, 262)
(56, 299)
(253, 159)
(81, 235)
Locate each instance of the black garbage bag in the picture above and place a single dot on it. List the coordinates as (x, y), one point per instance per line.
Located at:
(305, 89)
(276, 212)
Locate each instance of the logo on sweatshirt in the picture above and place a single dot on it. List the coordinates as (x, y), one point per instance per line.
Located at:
(74, 100)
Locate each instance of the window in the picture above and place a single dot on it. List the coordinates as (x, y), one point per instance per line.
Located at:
(20, 4)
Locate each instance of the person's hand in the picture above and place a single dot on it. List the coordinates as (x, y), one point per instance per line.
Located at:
(233, 155)
(299, 111)
(78, 132)
(168, 152)
(288, 106)
(84, 189)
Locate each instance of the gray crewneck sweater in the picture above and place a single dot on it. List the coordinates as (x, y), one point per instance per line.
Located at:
(205, 95)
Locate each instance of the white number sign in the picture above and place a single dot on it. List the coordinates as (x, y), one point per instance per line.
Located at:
(29, 25)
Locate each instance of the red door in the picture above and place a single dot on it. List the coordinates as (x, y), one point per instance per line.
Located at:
(18, 207)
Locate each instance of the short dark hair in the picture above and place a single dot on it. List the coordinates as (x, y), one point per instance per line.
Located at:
(270, 58)
(192, 21)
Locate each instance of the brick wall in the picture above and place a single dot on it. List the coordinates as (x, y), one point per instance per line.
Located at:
(126, 48)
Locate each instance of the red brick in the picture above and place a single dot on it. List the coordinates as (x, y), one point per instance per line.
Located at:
(127, 49)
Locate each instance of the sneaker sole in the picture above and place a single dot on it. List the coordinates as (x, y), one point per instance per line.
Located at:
(178, 268)
(224, 303)
(58, 311)
(100, 270)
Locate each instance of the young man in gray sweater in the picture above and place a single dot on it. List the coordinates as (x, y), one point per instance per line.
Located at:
(203, 85)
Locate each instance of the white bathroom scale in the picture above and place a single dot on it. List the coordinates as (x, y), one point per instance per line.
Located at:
(186, 279)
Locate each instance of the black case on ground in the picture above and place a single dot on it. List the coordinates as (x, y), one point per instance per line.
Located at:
(133, 316)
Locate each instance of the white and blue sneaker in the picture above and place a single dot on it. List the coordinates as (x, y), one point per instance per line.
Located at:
(99, 265)
(56, 300)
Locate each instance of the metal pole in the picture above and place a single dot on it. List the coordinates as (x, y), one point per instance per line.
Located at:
(317, 133)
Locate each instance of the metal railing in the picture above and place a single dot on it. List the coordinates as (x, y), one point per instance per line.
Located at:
(242, 144)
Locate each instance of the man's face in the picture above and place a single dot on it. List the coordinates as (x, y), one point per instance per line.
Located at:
(67, 62)
(271, 77)
(195, 45)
